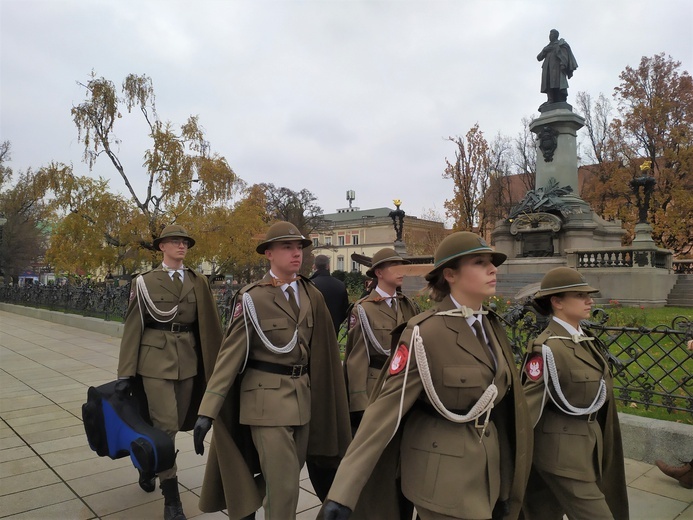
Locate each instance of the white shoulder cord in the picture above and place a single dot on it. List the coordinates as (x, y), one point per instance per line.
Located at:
(249, 310)
(484, 404)
(143, 296)
(368, 333)
(565, 406)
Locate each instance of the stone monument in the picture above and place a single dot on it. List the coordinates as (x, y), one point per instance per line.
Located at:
(553, 218)
(397, 216)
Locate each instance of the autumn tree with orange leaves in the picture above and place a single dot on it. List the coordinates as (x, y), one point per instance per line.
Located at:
(654, 122)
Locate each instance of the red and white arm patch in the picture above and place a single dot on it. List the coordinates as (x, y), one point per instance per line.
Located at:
(237, 310)
(352, 320)
(534, 367)
(399, 360)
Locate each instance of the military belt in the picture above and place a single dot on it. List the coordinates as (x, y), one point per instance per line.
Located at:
(588, 417)
(275, 368)
(171, 327)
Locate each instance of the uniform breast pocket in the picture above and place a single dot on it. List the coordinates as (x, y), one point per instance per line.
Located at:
(462, 385)
(584, 386)
(277, 330)
(254, 389)
(153, 338)
(191, 297)
(164, 301)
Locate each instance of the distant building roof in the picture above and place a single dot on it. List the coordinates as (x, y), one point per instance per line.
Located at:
(357, 214)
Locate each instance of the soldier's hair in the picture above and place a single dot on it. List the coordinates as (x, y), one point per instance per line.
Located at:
(322, 262)
(438, 286)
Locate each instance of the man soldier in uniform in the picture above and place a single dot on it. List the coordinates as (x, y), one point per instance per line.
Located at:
(172, 330)
(370, 323)
(277, 391)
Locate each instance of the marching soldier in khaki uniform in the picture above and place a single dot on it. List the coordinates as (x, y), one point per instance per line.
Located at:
(450, 406)
(578, 467)
(171, 331)
(277, 391)
(371, 321)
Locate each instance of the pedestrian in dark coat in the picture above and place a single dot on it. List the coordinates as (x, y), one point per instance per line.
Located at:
(333, 290)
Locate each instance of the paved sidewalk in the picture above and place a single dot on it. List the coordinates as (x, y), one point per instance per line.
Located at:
(47, 469)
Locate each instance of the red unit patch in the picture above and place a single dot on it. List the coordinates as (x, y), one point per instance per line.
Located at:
(237, 310)
(399, 361)
(534, 368)
(352, 320)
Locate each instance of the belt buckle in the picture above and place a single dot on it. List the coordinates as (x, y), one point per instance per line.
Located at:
(175, 327)
(296, 371)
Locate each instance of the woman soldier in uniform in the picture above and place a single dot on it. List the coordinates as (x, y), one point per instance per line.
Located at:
(578, 465)
(450, 400)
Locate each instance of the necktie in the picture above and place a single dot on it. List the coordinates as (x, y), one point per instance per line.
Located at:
(177, 281)
(292, 301)
(480, 336)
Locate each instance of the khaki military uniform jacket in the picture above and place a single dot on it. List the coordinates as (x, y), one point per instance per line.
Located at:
(446, 467)
(362, 362)
(150, 352)
(572, 446)
(260, 398)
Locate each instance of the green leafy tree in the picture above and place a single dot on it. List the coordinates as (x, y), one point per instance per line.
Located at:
(185, 182)
(24, 218)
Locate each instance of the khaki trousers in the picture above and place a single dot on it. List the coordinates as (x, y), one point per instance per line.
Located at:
(577, 499)
(168, 401)
(282, 452)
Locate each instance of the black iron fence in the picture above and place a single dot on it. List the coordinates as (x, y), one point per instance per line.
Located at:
(652, 366)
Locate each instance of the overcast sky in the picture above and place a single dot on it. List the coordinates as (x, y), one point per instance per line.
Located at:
(325, 95)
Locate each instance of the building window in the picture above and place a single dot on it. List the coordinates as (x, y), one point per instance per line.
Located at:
(354, 266)
(315, 241)
(341, 240)
(355, 240)
(340, 263)
(328, 241)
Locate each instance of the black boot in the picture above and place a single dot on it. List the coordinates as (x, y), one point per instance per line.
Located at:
(173, 509)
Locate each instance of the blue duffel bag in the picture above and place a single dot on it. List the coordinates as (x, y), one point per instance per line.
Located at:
(115, 428)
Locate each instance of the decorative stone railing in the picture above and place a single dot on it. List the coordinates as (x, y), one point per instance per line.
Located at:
(621, 257)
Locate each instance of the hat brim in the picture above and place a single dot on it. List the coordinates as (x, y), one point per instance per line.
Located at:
(496, 259)
(398, 259)
(412, 269)
(557, 290)
(261, 248)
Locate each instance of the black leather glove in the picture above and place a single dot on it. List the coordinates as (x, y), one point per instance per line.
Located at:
(123, 387)
(500, 510)
(334, 511)
(202, 426)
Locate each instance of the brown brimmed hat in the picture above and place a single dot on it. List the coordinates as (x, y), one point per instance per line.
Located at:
(462, 243)
(563, 279)
(384, 255)
(174, 231)
(282, 232)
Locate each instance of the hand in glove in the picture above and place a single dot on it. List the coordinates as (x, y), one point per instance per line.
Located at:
(334, 511)
(202, 426)
(123, 387)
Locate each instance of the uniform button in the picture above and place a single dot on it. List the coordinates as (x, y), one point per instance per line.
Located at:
(463, 380)
(435, 444)
(565, 428)
(487, 433)
(259, 384)
(586, 376)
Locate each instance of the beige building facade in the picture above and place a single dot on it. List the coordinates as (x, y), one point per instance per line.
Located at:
(364, 232)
